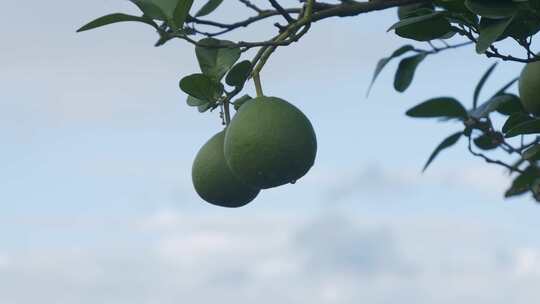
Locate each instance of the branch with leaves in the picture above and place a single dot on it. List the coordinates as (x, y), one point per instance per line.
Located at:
(440, 25)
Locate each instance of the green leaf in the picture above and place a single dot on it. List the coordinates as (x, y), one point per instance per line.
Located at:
(458, 12)
(528, 127)
(446, 107)
(515, 120)
(181, 12)
(413, 20)
(495, 9)
(452, 5)
(113, 18)
(208, 8)
(195, 102)
(201, 105)
(406, 70)
(533, 153)
(525, 23)
(510, 104)
(384, 61)
(412, 10)
(488, 142)
(423, 28)
(240, 101)
(205, 107)
(489, 33)
(150, 9)
(501, 103)
(481, 83)
(202, 87)
(174, 12)
(216, 57)
(523, 182)
(535, 4)
(239, 74)
(446, 143)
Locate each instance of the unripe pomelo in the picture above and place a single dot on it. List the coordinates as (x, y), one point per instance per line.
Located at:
(529, 88)
(214, 181)
(269, 143)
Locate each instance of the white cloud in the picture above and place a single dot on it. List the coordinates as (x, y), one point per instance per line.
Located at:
(4, 261)
(335, 244)
(330, 258)
(375, 181)
(163, 219)
(489, 180)
(527, 262)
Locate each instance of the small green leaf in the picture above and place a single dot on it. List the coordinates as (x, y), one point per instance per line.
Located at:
(202, 87)
(405, 72)
(510, 104)
(525, 23)
(446, 107)
(533, 153)
(489, 33)
(423, 28)
(384, 61)
(488, 142)
(528, 127)
(458, 12)
(523, 182)
(413, 10)
(205, 107)
(501, 103)
(208, 8)
(174, 12)
(114, 18)
(216, 57)
(515, 120)
(152, 9)
(495, 9)
(413, 20)
(535, 4)
(446, 143)
(481, 83)
(195, 102)
(239, 73)
(181, 12)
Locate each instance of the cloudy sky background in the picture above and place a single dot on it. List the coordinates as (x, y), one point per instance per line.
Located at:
(97, 203)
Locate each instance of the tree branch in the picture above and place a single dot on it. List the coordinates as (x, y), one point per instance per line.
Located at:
(352, 8)
(251, 6)
(492, 161)
(282, 11)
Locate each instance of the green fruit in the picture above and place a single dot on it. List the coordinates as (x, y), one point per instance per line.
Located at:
(529, 88)
(270, 143)
(214, 181)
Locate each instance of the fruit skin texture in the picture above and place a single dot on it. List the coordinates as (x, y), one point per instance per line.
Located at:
(529, 88)
(269, 143)
(214, 181)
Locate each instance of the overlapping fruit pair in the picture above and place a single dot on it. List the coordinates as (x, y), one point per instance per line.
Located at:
(268, 143)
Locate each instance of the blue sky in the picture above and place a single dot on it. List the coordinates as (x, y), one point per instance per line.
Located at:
(98, 207)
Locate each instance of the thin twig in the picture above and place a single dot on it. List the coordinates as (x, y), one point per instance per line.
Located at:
(492, 161)
(251, 6)
(282, 11)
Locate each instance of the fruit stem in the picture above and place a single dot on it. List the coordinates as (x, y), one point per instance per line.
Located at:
(293, 33)
(227, 112)
(258, 87)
